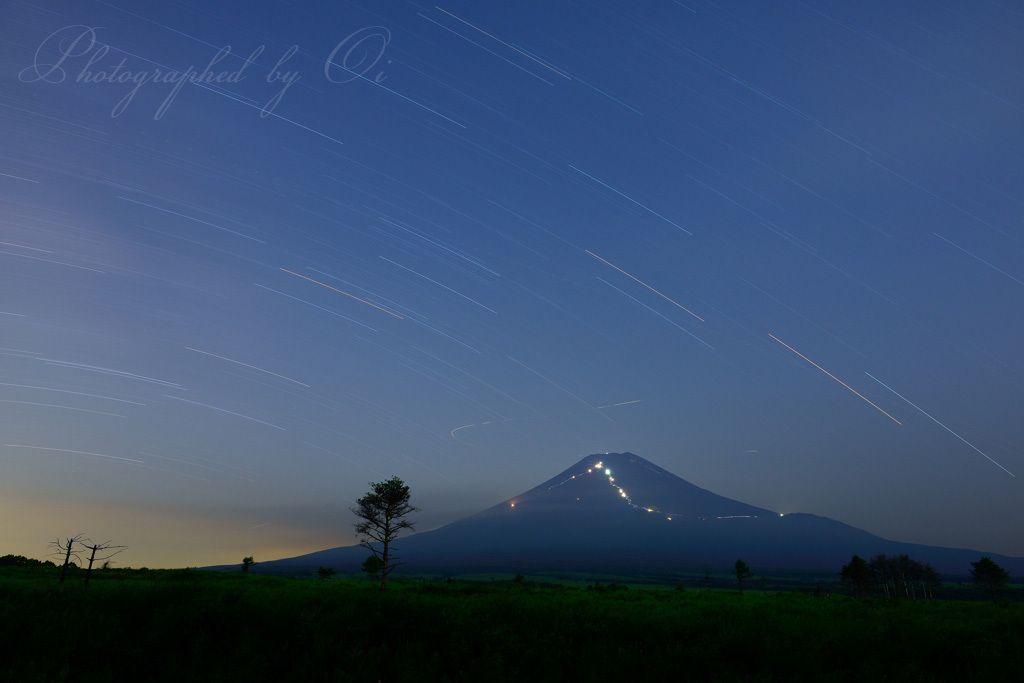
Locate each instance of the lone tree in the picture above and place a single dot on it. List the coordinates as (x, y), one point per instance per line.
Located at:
(742, 572)
(987, 573)
(247, 562)
(383, 510)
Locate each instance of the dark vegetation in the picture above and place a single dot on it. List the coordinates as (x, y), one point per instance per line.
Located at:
(154, 625)
(891, 576)
(990, 575)
(742, 572)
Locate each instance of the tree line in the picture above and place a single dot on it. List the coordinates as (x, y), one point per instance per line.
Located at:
(891, 577)
(900, 577)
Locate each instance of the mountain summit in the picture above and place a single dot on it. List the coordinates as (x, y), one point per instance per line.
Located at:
(619, 512)
(615, 483)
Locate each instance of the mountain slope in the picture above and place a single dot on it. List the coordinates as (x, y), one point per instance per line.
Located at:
(620, 512)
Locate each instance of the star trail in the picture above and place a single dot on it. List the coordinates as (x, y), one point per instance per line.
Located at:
(254, 255)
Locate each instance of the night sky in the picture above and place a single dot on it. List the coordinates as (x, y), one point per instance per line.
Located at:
(254, 256)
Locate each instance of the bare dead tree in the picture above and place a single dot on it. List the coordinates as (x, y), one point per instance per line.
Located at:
(65, 548)
(100, 548)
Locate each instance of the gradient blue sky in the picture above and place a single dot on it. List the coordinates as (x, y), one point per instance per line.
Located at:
(508, 236)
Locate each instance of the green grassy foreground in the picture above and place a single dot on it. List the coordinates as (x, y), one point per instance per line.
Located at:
(179, 625)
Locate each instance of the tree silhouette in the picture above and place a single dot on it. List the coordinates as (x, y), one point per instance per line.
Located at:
(66, 548)
(857, 575)
(897, 576)
(990, 575)
(383, 510)
(247, 562)
(102, 548)
(372, 566)
(20, 561)
(931, 580)
(742, 572)
(325, 573)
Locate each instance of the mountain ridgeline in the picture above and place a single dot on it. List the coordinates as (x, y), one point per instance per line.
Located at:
(618, 512)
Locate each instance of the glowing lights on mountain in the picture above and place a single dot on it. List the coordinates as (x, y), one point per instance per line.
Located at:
(513, 504)
(599, 467)
(781, 515)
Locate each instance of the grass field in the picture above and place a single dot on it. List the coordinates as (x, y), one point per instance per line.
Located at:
(173, 625)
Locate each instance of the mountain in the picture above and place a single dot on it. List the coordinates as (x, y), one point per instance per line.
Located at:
(618, 512)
